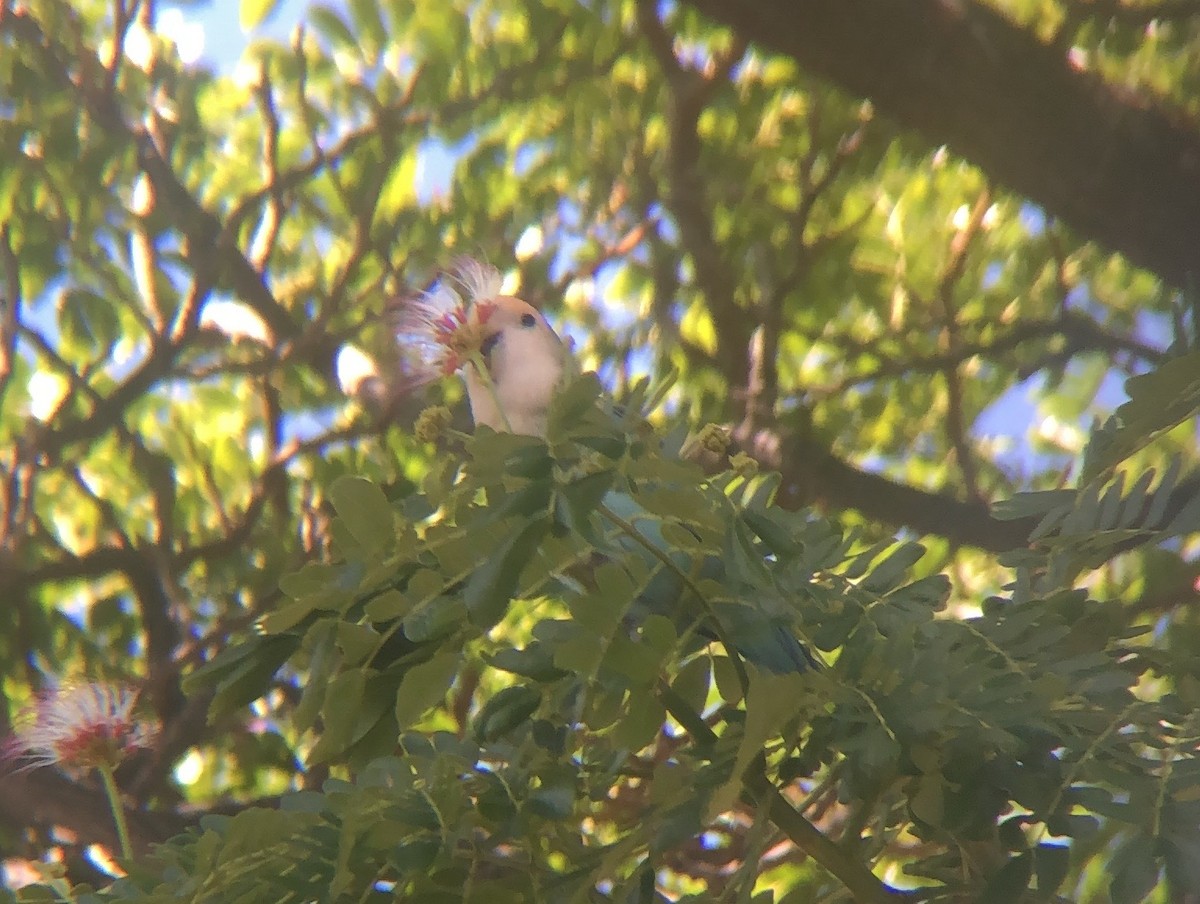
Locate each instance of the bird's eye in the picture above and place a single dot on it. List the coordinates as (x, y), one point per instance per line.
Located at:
(528, 320)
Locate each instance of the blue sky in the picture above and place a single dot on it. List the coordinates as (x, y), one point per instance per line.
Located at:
(224, 39)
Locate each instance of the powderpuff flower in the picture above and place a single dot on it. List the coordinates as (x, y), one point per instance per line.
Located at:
(79, 727)
(441, 330)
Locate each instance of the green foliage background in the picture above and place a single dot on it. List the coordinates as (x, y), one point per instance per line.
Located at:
(388, 671)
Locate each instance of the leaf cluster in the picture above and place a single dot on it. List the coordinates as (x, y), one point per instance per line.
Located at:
(562, 643)
(560, 738)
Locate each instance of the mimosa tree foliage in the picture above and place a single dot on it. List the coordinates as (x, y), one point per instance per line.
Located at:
(391, 668)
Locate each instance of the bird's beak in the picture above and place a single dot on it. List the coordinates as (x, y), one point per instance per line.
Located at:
(487, 345)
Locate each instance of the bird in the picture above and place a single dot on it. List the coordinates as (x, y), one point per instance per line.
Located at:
(512, 376)
(513, 365)
(525, 361)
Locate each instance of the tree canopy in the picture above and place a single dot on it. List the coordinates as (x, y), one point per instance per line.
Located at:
(930, 268)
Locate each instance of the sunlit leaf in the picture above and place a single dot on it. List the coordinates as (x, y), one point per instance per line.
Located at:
(252, 13)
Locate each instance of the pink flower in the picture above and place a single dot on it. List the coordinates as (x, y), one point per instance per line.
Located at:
(79, 727)
(440, 330)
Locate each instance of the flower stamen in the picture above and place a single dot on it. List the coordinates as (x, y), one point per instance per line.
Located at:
(441, 330)
(79, 727)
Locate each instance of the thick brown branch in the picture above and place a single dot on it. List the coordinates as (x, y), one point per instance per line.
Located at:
(43, 797)
(812, 475)
(1114, 166)
(152, 583)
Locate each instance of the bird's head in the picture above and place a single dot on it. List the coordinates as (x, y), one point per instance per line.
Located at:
(509, 356)
(523, 359)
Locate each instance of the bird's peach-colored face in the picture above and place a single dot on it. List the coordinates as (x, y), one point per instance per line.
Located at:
(509, 315)
(511, 359)
(525, 361)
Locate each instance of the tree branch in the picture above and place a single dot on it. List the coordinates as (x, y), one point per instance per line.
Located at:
(1079, 332)
(686, 195)
(862, 883)
(951, 341)
(814, 475)
(10, 307)
(1115, 166)
(45, 797)
(761, 792)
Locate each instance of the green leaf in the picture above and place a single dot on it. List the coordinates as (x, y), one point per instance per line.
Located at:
(320, 643)
(681, 823)
(287, 617)
(88, 320)
(368, 22)
(884, 575)
(365, 511)
(635, 660)
(604, 707)
(438, 618)
(770, 704)
(424, 686)
(1030, 505)
(399, 190)
(1187, 520)
(388, 605)
(33, 894)
(555, 802)
(1110, 504)
(356, 642)
(254, 12)
(583, 495)
(494, 802)
(1009, 882)
(312, 578)
(640, 726)
(601, 610)
(417, 855)
(1134, 870)
(725, 677)
(1051, 864)
(356, 708)
(506, 710)
(536, 661)
(742, 558)
(244, 674)
(1162, 494)
(572, 401)
(774, 534)
(1181, 854)
(343, 702)
(579, 651)
(492, 585)
(1158, 401)
(693, 682)
(928, 802)
(331, 27)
